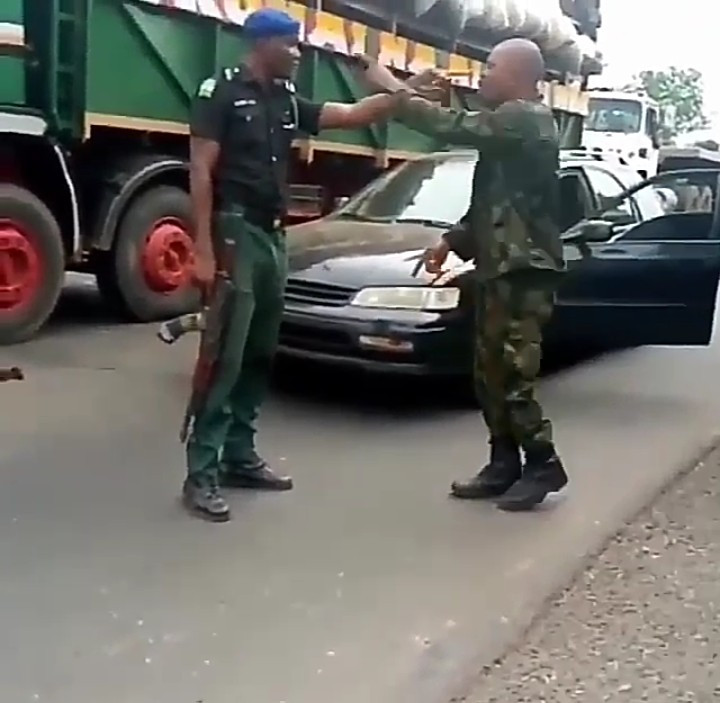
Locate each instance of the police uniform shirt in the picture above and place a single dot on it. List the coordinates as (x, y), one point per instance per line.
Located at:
(255, 126)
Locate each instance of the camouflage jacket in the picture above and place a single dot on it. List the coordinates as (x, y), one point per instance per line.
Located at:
(512, 223)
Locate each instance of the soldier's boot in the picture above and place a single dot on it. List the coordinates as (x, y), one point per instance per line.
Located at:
(254, 474)
(542, 474)
(203, 499)
(496, 478)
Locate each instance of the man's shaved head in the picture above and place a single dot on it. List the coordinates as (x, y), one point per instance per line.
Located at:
(514, 69)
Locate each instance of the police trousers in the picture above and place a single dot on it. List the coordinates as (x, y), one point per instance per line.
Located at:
(511, 313)
(224, 430)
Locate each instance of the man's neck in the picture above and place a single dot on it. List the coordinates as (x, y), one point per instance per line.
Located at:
(532, 94)
(257, 71)
(527, 94)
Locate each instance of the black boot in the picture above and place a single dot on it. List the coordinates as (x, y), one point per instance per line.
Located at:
(254, 474)
(503, 470)
(543, 473)
(203, 499)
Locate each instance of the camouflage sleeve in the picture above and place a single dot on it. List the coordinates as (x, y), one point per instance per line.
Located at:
(458, 127)
(460, 240)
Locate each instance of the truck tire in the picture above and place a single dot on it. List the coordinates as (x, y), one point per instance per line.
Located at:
(32, 264)
(147, 274)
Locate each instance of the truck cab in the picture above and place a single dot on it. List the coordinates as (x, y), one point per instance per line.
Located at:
(626, 124)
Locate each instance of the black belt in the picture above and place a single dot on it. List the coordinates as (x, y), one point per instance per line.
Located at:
(269, 221)
(264, 220)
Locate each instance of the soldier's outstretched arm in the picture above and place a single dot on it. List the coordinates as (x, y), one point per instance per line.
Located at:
(471, 128)
(457, 127)
(460, 240)
(379, 107)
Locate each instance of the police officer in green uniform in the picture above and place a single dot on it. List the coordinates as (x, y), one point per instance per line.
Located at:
(242, 127)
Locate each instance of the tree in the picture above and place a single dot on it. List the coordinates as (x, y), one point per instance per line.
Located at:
(680, 93)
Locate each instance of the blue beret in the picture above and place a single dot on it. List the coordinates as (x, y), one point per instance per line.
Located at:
(269, 22)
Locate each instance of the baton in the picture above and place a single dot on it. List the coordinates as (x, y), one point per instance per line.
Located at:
(418, 266)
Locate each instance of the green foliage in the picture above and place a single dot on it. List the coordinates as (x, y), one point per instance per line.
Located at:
(680, 93)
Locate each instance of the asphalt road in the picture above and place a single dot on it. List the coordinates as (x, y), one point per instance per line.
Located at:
(641, 623)
(366, 583)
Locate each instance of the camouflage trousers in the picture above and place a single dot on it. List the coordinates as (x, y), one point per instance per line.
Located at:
(511, 314)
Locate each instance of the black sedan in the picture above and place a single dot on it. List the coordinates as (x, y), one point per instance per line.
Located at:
(646, 272)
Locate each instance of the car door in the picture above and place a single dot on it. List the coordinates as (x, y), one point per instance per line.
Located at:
(655, 280)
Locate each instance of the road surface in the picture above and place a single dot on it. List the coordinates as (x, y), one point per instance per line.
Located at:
(366, 583)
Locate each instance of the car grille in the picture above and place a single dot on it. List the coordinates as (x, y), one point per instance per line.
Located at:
(312, 293)
(319, 339)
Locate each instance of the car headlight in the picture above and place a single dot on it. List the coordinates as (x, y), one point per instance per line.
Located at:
(408, 298)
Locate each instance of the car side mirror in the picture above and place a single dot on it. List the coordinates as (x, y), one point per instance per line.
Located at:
(589, 231)
(340, 202)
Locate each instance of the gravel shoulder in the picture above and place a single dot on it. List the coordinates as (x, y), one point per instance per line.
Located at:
(642, 623)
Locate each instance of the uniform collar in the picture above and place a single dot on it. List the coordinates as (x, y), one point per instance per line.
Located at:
(243, 74)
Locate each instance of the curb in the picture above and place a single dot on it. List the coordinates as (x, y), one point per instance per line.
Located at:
(453, 669)
(706, 450)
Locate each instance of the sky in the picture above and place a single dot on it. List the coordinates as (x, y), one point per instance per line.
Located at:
(637, 35)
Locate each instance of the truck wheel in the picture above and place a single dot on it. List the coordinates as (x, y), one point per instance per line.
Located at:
(32, 264)
(147, 275)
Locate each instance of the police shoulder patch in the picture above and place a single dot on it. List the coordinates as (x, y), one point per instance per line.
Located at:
(207, 88)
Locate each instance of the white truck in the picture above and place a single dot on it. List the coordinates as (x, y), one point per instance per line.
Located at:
(624, 124)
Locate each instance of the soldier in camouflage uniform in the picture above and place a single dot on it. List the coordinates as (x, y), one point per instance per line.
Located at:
(511, 231)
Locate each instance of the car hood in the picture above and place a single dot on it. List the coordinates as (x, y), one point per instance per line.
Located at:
(357, 254)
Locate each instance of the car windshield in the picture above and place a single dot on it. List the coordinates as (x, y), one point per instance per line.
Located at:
(612, 115)
(433, 191)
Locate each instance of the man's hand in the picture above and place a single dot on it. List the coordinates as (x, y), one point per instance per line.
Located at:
(435, 257)
(204, 270)
(430, 84)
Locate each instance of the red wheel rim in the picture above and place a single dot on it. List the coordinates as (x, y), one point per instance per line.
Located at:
(20, 267)
(167, 257)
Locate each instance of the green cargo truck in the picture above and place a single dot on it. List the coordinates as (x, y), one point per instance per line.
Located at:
(94, 96)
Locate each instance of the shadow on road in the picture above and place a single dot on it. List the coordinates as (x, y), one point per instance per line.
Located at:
(80, 306)
(312, 384)
(389, 395)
